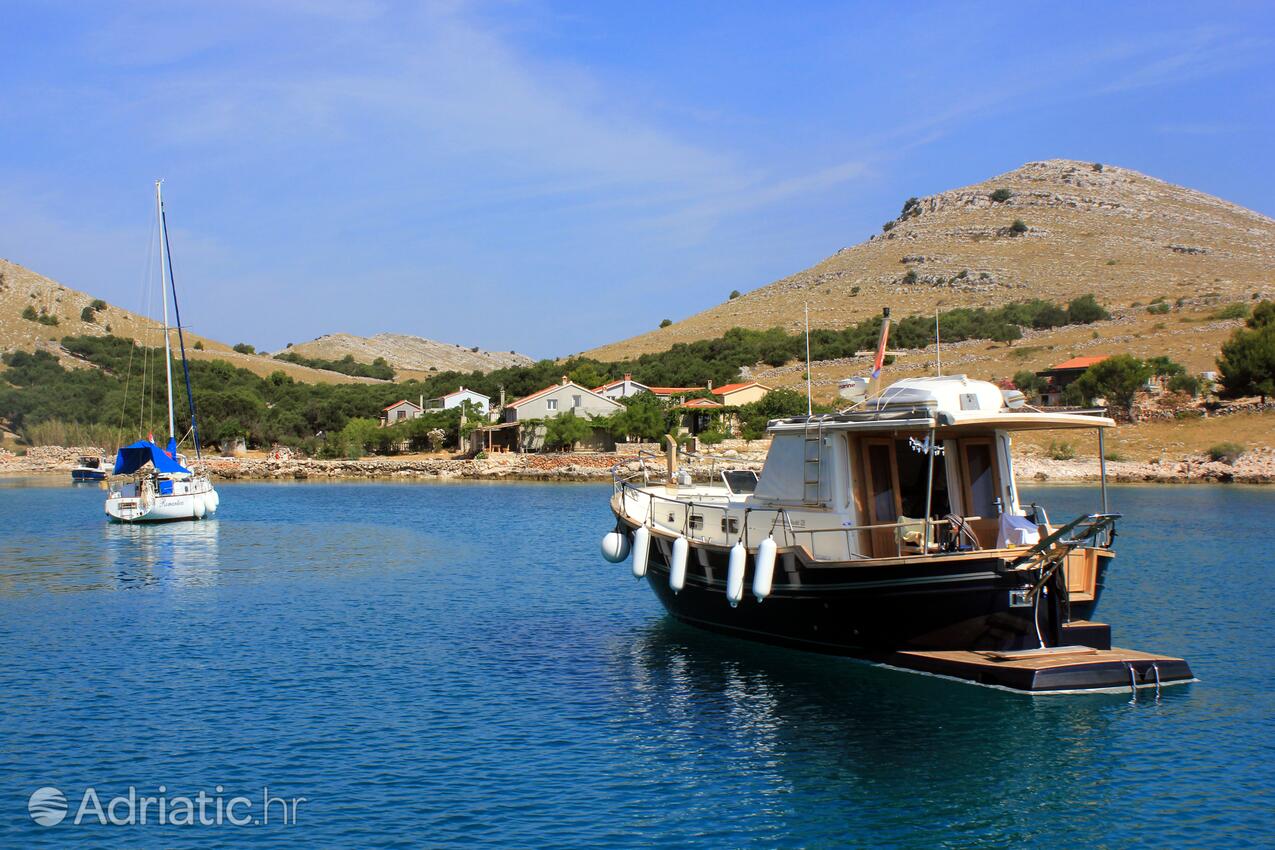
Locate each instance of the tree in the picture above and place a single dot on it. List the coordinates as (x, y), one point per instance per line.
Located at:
(1018, 228)
(1000, 196)
(665, 323)
(1117, 379)
(87, 315)
(1005, 332)
(98, 305)
(1163, 367)
(1028, 382)
(1263, 314)
(734, 293)
(1085, 309)
(643, 417)
(245, 348)
(1247, 363)
(567, 429)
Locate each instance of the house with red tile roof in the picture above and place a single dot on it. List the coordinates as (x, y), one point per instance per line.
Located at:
(1059, 377)
(400, 411)
(734, 395)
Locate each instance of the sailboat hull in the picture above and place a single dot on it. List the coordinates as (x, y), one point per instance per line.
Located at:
(193, 500)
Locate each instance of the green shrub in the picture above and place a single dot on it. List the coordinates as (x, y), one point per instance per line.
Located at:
(1018, 228)
(29, 313)
(1061, 451)
(244, 348)
(1185, 383)
(1237, 310)
(888, 226)
(1000, 196)
(199, 345)
(664, 323)
(734, 293)
(87, 315)
(1225, 452)
(854, 290)
(1263, 315)
(910, 277)
(1113, 455)
(1159, 308)
(712, 437)
(98, 305)
(1085, 309)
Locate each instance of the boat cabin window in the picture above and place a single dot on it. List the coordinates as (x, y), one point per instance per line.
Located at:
(740, 481)
(881, 481)
(980, 477)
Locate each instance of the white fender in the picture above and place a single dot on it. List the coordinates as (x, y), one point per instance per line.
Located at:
(200, 510)
(735, 574)
(615, 547)
(641, 550)
(677, 566)
(764, 568)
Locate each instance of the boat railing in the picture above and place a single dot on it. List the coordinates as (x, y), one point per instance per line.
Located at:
(693, 520)
(622, 474)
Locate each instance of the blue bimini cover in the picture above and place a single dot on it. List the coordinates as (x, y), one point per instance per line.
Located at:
(132, 458)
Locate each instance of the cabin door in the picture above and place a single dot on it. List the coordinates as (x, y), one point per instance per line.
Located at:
(882, 480)
(982, 487)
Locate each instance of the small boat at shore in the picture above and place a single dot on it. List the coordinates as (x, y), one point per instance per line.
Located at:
(892, 532)
(89, 468)
(162, 488)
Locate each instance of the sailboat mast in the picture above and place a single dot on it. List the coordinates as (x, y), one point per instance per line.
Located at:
(810, 404)
(163, 283)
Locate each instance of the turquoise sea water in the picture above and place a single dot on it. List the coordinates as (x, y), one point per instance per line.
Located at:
(454, 665)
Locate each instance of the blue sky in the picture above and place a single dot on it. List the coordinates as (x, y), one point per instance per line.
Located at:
(550, 176)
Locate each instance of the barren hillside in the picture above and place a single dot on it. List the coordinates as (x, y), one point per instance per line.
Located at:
(409, 355)
(1088, 228)
(21, 288)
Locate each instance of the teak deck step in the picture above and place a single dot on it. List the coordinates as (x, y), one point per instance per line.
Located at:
(1054, 669)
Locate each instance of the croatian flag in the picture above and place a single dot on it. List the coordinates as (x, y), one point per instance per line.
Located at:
(885, 336)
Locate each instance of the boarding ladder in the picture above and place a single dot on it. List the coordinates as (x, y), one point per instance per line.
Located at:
(812, 464)
(1052, 551)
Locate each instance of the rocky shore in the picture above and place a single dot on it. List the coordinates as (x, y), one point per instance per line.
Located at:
(1254, 467)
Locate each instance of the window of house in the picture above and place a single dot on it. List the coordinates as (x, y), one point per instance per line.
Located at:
(577, 401)
(402, 414)
(551, 404)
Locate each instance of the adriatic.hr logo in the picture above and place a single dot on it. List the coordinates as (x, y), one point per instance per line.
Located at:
(48, 806)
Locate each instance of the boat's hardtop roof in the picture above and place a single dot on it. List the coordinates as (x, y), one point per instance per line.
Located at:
(944, 403)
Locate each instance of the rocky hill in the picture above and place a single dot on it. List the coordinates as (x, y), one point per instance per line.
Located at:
(24, 291)
(408, 354)
(1053, 229)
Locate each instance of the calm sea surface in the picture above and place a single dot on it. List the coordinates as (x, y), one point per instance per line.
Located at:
(454, 665)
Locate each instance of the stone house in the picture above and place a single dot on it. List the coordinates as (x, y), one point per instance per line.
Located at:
(400, 411)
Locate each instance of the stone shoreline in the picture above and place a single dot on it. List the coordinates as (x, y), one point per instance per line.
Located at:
(1254, 467)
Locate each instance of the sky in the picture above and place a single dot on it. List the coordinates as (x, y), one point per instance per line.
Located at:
(546, 177)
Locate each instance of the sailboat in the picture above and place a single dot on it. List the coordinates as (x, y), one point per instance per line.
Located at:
(160, 486)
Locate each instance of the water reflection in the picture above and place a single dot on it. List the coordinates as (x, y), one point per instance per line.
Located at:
(834, 736)
(184, 554)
